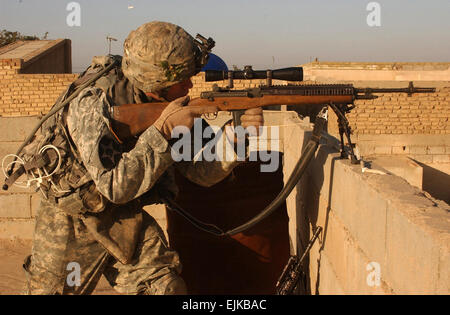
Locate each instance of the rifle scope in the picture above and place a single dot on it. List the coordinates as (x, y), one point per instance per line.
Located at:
(286, 74)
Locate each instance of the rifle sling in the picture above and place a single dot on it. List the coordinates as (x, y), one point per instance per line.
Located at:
(299, 170)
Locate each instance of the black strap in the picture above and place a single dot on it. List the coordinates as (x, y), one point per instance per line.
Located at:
(299, 170)
(210, 228)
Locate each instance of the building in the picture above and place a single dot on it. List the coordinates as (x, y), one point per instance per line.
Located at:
(40, 56)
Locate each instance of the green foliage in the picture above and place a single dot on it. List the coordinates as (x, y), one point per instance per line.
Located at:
(172, 72)
(8, 37)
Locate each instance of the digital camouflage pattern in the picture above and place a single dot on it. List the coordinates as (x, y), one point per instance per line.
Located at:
(138, 170)
(121, 242)
(61, 239)
(158, 55)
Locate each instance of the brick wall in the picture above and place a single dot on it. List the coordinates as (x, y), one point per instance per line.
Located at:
(390, 113)
(426, 113)
(33, 94)
(394, 123)
(28, 94)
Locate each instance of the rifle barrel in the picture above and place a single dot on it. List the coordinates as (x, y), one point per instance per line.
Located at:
(411, 89)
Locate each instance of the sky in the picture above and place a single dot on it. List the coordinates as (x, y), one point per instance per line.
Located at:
(262, 33)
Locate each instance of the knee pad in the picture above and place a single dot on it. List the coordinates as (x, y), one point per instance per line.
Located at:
(170, 284)
(176, 286)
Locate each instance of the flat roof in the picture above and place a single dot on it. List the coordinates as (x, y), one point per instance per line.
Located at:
(29, 50)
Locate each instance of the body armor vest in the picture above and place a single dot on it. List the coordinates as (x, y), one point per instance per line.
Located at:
(70, 185)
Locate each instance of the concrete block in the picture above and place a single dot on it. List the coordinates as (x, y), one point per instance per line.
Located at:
(356, 211)
(22, 229)
(348, 260)
(15, 206)
(400, 150)
(443, 282)
(416, 150)
(314, 267)
(422, 140)
(16, 128)
(299, 230)
(361, 209)
(294, 137)
(417, 232)
(412, 256)
(401, 166)
(436, 150)
(366, 147)
(322, 169)
(334, 242)
(383, 150)
(316, 206)
(441, 158)
(423, 158)
(35, 202)
(329, 282)
(368, 226)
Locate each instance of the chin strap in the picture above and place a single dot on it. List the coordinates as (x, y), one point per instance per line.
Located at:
(299, 170)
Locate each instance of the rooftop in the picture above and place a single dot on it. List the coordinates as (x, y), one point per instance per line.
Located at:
(30, 51)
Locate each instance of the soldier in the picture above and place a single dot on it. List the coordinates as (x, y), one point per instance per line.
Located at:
(91, 219)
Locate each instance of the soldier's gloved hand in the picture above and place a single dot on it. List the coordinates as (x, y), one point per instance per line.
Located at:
(178, 114)
(253, 117)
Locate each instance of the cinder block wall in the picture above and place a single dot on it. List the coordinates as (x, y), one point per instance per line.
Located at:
(17, 206)
(381, 219)
(380, 234)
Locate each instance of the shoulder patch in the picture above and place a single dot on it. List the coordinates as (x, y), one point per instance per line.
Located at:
(110, 152)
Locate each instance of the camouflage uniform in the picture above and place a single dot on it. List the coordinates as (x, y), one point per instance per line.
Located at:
(117, 238)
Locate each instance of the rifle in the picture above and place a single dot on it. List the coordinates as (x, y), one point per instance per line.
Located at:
(290, 276)
(132, 119)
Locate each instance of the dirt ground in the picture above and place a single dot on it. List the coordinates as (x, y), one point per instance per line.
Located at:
(12, 277)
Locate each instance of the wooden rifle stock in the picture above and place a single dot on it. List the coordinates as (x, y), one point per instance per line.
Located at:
(133, 119)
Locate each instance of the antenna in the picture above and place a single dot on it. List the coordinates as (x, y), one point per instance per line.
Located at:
(110, 39)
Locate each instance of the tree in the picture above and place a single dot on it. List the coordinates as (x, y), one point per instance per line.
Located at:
(8, 37)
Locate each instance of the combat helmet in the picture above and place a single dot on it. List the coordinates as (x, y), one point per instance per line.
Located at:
(158, 55)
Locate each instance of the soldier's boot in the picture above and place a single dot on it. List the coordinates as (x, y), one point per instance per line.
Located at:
(169, 284)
